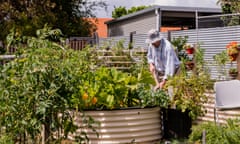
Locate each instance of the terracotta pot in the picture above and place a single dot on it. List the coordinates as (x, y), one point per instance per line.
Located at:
(189, 65)
(233, 75)
(190, 50)
(233, 57)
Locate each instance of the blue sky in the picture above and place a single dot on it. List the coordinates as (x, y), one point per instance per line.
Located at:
(130, 3)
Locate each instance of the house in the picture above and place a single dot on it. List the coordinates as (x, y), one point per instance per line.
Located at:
(160, 17)
(101, 26)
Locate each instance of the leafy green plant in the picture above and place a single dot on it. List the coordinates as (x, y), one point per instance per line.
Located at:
(179, 42)
(150, 98)
(39, 84)
(233, 71)
(221, 60)
(214, 133)
(6, 139)
(189, 93)
(121, 11)
(228, 133)
(189, 89)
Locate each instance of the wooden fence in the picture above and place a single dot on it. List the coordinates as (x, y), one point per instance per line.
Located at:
(78, 43)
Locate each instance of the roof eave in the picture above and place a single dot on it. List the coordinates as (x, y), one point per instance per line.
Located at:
(167, 8)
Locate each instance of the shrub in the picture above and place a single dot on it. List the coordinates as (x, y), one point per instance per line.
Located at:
(228, 133)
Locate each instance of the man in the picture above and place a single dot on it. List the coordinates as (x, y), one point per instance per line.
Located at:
(162, 59)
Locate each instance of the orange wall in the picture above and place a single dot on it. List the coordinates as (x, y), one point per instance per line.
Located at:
(166, 29)
(101, 27)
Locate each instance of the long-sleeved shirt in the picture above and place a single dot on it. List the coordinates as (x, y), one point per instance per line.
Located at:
(164, 58)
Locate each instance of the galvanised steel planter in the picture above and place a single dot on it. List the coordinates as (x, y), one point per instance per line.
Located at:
(140, 125)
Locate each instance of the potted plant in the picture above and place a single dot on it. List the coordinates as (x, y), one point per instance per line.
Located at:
(232, 50)
(123, 103)
(183, 50)
(189, 63)
(233, 73)
(188, 95)
(179, 42)
(189, 48)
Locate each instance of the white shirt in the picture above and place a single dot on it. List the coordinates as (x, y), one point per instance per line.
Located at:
(164, 58)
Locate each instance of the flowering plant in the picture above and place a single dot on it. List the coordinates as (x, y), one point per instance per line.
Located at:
(188, 46)
(233, 71)
(232, 50)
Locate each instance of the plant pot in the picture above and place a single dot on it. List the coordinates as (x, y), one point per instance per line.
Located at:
(233, 75)
(126, 126)
(190, 50)
(189, 65)
(177, 124)
(233, 57)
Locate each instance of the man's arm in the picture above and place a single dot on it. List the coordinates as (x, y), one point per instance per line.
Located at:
(149, 55)
(150, 60)
(170, 60)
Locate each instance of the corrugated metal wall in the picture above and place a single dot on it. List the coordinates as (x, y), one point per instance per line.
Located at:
(213, 40)
(111, 41)
(138, 40)
(221, 115)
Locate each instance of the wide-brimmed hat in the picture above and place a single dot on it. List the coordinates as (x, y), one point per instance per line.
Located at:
(153, 36)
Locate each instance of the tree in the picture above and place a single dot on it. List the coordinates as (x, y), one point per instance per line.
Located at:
(230, 6)
(121, 11)
(135, 9)
(28, 16)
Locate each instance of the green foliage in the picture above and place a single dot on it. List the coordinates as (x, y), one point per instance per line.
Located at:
(233, 70)
(228, 133)
(214, 133)
(39, 83)
(6, 140)
(189, 89)
(179, 42)
(230, 6)
(199, 60)
(149, 97)
(226, 9)
(107, 86)
(189, 93)
(28, 16)
(135, 9)
(220, 60)
(121, 11)
(47, 79)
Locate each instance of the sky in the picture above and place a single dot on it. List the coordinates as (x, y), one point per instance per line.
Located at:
(130, 3)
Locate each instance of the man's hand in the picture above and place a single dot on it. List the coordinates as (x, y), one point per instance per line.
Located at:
(162, 83)
(151, 68)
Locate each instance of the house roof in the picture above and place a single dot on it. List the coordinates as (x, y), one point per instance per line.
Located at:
(167, 8)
